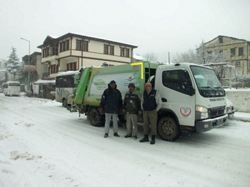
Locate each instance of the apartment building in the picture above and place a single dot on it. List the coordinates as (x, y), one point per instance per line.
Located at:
(236, 52)
(36, 68)
(73, 51)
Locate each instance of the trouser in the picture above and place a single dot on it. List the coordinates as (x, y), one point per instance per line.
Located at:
(131, 123)
(149, 118)
(107, 122)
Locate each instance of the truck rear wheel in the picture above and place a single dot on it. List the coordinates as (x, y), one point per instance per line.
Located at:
(94, 116)
(168, 129)
(64, 103)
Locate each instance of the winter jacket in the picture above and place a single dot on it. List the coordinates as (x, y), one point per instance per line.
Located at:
(111, 100)
(151, 100)
(132, 102)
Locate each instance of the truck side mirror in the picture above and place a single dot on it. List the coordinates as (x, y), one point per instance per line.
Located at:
(191, 91)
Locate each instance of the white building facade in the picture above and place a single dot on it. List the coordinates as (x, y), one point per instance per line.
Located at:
(72, 51)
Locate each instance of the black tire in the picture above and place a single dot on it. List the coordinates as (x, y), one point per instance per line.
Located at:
(94, 117)
(121, 118)
(168, 129)
(64, 103)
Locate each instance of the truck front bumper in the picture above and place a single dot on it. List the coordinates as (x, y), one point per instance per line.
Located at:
(208, 124)
(231, 115)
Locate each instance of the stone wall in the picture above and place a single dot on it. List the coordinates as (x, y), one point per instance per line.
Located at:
(240, 98)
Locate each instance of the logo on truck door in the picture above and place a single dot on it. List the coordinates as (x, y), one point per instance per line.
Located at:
(185, 111)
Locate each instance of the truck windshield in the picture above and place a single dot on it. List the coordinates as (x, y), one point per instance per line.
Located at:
(207, 82)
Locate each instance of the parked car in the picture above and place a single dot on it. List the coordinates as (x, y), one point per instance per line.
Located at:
(1, 90)
(229, 109)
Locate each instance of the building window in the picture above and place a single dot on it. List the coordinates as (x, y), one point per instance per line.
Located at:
(220, 40)
(122, 52)
(112, 50)
(106, 49)
(85, 46)
(61, 46)
(240, 51)
(54, 68)
(232, 52)
(237, 64)
(67, 45)
(82, 45)
(64, 45)
(46, 52)
(126, 52)
(71, 66)
(78, 44)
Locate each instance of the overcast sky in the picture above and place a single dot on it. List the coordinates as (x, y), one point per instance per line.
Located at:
(155, 26)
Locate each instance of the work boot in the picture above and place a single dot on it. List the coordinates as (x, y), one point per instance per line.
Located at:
(127, 136)
(106, 135)
(145, 139)
(116, 134)
(152, 139)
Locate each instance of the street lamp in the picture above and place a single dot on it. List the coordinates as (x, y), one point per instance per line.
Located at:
(28, 87)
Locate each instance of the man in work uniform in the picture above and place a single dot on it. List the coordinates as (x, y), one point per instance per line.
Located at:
(111, 105)
(132, 107)
(151, 104)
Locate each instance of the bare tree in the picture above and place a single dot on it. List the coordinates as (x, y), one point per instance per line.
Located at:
(201, 56)
(150, 57)
(189, 56)
(218, 60)
(205, 57)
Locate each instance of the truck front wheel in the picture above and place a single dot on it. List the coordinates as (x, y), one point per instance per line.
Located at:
(168, 129)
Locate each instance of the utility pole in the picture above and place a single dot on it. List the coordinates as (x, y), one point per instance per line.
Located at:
(28, 86)
(82, 53)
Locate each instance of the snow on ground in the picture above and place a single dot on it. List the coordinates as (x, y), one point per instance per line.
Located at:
(42, 144)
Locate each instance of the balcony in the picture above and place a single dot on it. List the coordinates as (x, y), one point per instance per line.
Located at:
(49, 58)
(30, 68)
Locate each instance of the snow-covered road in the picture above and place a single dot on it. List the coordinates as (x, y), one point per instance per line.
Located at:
(42, 144)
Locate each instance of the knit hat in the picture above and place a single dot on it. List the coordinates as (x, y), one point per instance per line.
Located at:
(112, 82)
(131, 84)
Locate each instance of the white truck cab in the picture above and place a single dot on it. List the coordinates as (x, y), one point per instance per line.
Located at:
(192, 96)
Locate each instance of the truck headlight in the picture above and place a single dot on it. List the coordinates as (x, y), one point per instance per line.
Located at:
(201, 112)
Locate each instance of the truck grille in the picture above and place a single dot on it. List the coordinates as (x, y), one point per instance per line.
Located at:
(215, 112)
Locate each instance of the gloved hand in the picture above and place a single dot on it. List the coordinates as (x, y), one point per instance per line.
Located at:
(140, 112)
(101, 110)
(121, 111)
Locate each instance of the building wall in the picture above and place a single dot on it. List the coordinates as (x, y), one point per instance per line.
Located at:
(41, 68)
(240, 99)
(241, 62)
(93, 57)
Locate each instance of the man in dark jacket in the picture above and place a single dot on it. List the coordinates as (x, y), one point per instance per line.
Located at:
(132, 107)
(111, 105)
(151, 104)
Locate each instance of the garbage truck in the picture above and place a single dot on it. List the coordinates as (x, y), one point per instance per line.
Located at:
(192, 96)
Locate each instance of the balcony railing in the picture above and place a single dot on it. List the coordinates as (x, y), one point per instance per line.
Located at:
(30, 68)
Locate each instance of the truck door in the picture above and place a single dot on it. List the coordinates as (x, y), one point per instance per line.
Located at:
(177, 94)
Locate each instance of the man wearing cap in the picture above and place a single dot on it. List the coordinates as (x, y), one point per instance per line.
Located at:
(111, 104)
(132, 107)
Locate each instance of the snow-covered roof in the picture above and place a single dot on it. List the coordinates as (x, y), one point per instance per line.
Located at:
(46, 82)
(86, 37)
(67, 73)
(138, 57)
